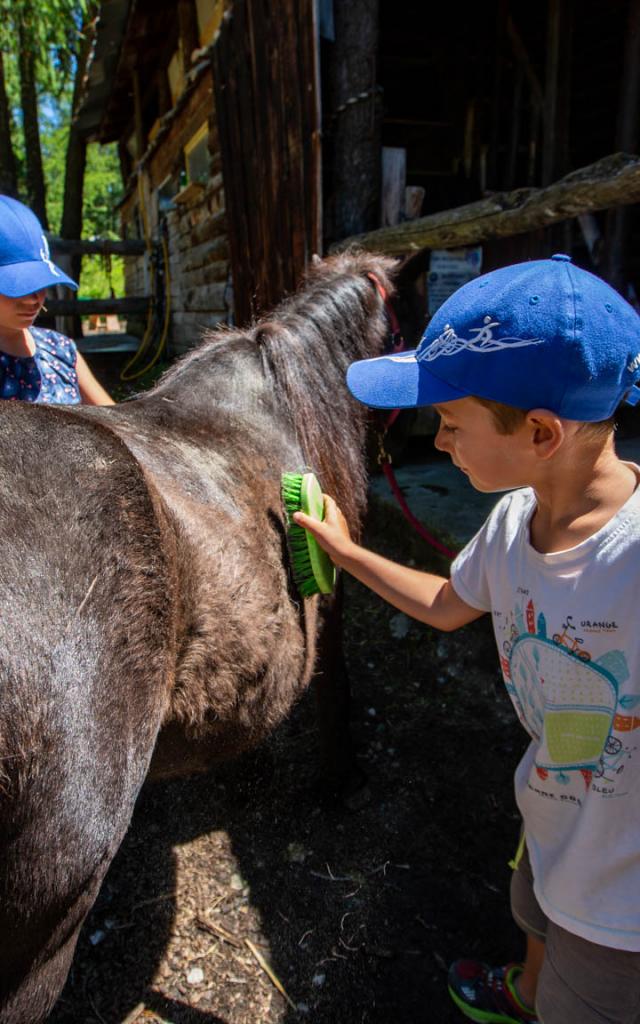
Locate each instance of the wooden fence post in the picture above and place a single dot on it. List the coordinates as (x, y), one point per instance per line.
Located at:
(352, 121)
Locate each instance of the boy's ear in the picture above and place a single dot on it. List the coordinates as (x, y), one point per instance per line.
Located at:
(546, 432)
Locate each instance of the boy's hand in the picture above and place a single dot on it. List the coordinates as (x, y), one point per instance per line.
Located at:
(428, 598)
(332, 533)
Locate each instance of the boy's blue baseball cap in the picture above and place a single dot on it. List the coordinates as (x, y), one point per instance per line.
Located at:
(544, 334)
(25, 264)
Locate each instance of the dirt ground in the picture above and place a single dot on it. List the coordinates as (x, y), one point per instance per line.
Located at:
(356, 906)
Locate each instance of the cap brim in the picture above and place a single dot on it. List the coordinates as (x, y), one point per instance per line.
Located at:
(397, 382)
(18, 279)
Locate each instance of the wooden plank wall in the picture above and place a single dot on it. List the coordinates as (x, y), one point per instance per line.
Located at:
(197, 229)
(199, 266)
(265, 77)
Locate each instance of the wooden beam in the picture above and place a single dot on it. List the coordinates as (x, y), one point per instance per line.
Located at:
(492, 170)
(97, 246)
(83, 307)
(188, 29)
(618, 233)
(555, 142)
(353, 120)
(394, 181)
(137, 114)
(612, 181)
(521, 55)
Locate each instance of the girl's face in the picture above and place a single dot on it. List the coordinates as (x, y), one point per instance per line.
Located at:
(16, 314)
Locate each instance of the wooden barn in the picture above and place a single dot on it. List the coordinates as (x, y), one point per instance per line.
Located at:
(253, 134)
(150, 88)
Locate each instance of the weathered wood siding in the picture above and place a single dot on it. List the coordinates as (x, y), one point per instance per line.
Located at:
(196, 226)
(267, 97)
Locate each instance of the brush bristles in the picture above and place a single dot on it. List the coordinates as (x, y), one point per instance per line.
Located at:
(301, 561)
(302, 569)
(291, 489)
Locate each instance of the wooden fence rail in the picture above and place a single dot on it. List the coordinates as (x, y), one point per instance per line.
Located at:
(96, 246)
(611, 182)
(83, 307)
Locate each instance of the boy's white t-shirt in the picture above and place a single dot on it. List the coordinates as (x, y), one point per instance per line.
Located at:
(567, 625)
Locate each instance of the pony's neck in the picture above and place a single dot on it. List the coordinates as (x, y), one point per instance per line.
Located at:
(283, 380)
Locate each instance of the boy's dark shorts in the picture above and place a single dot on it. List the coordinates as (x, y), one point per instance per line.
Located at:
(580, 982)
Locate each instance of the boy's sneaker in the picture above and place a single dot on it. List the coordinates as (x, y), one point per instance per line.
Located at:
(488, 994)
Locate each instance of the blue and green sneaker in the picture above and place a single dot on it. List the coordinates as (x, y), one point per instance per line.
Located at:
(488, 994)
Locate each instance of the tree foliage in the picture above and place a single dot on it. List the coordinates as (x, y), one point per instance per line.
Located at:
(52, 30)
(102, 192)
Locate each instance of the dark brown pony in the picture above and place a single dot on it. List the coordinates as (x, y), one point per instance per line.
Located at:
(147, 605)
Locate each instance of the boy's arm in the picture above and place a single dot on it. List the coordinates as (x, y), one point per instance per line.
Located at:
(421, 595)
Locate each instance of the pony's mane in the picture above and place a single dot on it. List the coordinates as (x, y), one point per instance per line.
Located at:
(308, 343)
(305, 346)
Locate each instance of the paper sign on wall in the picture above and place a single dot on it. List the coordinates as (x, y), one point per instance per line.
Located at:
(449, 269)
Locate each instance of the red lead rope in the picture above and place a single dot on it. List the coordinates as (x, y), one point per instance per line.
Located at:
(383, 457)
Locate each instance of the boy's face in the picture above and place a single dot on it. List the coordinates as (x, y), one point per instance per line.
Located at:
(492, 461)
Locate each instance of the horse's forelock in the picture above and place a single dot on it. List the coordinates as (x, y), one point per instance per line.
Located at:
(354, 262)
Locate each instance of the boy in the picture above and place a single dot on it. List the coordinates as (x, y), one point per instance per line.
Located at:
(526, 367)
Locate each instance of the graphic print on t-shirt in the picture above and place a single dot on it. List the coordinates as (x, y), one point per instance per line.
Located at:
(567, 701)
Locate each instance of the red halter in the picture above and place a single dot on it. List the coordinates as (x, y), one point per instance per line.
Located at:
(384, 459)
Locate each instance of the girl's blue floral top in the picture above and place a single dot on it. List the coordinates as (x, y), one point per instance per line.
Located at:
(47, 376)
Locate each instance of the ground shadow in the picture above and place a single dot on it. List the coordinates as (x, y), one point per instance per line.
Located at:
(359, 906)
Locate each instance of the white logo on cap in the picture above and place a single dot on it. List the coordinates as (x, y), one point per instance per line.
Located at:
(634, 363)
(449, 344)
(44, 256)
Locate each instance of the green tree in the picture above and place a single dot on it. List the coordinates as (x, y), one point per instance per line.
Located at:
(8, 166)
(83, 184)
(48, 38)
(36, 189)
(76, 155)
(102, 191)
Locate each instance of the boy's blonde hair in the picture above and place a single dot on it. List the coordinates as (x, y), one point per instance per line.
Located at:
(508, 418)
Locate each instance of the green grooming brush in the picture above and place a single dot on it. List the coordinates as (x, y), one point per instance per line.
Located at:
(313, 570)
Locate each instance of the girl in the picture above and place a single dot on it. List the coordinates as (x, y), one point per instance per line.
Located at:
(36, 364)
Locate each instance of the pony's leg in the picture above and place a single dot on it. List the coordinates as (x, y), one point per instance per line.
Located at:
(63, 814)
(36, 964)
(333, 697)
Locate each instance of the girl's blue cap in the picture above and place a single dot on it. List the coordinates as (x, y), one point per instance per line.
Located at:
(25, 264)
(543, 334)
